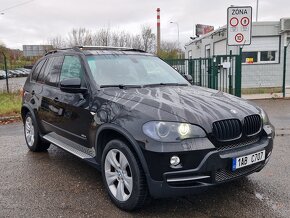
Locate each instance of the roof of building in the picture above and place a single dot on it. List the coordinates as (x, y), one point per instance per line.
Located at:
(224, 29)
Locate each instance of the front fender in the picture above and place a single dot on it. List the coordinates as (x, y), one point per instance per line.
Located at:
(129, 137)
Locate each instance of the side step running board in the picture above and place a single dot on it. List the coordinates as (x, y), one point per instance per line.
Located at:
(67, 145)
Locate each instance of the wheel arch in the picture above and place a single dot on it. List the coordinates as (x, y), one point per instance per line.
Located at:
(24, 110)
(108, 132)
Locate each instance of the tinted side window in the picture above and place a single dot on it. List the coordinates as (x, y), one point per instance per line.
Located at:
(37, 70)
(44, 71)
(71, 68)
(54, 69)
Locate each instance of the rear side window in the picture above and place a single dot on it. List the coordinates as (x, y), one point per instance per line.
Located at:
(43, 72)
(53, 71)
(71, 68)
(37, 69)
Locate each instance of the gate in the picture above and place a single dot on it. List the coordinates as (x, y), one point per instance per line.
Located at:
(221, 72)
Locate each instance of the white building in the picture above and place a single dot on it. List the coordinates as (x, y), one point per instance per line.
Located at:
(35, 50)
(262, 61)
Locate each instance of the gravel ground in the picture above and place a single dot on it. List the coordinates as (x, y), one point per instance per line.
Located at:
(14, 84)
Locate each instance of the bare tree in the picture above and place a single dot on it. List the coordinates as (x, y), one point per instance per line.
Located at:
(80, 36)
(125, 39)
(102, 37)
(137, 42)
(148, 38)
(57, 42)
(115, 39)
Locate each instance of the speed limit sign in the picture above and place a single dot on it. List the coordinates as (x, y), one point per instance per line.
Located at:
(239, 25)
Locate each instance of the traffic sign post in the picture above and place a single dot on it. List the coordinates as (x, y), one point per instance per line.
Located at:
(239, 26)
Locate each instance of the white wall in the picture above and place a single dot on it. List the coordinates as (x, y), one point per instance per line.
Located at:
(266, 37)
(263, 75)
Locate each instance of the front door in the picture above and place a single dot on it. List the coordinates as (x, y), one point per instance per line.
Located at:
(77, 117)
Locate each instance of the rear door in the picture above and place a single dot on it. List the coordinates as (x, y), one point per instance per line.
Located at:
(51, 110)
(32, 89)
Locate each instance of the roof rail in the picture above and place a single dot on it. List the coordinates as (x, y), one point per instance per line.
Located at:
(56, 50)
(82, 48)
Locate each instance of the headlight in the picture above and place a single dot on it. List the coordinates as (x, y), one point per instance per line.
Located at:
(264, 116)
(172, 131)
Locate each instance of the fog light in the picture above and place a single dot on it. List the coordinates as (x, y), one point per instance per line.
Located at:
(174, 160)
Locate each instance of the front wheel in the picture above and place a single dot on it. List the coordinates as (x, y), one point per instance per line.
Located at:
(123, 176)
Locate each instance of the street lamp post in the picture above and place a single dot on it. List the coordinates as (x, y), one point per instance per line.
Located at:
(257, 10)
(177, 32)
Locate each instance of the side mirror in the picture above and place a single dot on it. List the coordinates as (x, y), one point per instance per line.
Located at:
(72, 85)
(188, 77)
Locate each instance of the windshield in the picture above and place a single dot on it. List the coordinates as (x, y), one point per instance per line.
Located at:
(110, 70)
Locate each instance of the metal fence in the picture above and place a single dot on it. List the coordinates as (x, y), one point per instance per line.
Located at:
(222, 72)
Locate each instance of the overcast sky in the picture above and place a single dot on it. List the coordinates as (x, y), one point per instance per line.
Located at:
(36, 22)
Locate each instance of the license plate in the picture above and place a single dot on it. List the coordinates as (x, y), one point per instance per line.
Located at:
(247, 160)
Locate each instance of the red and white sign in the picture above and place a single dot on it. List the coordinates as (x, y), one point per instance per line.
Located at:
(239, 38)
(239, 26)
(234, 22)
(245, 21)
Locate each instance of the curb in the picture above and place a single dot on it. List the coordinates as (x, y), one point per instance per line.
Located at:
(9, 118)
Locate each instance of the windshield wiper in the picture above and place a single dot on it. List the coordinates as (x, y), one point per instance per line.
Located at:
(121, 86)
(165, 84)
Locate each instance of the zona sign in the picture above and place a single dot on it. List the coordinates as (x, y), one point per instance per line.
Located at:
(239, 26)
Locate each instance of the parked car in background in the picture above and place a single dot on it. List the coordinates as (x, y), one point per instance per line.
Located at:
(25, 71)
(12, 74)
(141, 123)
(2, 74)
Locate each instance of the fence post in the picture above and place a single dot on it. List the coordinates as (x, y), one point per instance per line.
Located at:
(284, 69)
(238, 80)
(284, 72)
(209, 73)
(215, 73)
(5, 68)
(230, 75)
(200, 78)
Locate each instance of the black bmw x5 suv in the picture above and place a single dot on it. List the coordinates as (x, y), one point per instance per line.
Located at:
(142, 124)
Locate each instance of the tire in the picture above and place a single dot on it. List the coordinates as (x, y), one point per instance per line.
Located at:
(31, 134)
(120, 168)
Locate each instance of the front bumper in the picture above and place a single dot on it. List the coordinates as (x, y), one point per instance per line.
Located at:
(213, 168)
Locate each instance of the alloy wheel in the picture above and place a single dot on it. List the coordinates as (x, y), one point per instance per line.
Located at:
(118, 175)
(29, 131)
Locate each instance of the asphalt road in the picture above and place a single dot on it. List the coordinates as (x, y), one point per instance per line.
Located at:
(57, 184)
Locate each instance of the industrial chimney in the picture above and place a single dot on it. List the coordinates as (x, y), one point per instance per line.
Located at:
(158, 30)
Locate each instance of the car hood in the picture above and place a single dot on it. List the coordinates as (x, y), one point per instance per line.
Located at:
(196, 105)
